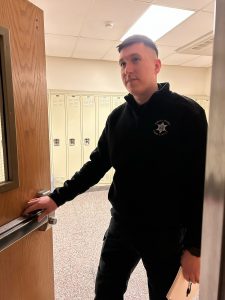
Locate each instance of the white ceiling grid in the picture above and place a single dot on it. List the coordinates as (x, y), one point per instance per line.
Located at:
(76, 28)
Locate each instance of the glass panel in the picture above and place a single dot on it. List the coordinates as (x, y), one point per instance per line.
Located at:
(8, 152)
(2, 168)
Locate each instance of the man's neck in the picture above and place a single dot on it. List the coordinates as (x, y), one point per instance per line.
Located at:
(142, 99)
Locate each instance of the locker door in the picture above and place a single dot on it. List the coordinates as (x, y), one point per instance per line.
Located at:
(88, 126)
(74, 160)
(116, 101)
(103, 112)
(58, 142)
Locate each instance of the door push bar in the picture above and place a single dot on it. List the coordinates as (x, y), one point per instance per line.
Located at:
(20, 227)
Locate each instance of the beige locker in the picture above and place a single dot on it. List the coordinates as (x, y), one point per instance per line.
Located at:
(73, 116)
(58, 139)
(75, 123)
(117, 100)
(88, 126)
(104, 108)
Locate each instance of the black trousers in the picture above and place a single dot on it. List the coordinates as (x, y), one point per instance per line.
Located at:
(123, 247)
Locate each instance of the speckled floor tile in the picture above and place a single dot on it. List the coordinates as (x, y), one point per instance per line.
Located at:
(77, 238)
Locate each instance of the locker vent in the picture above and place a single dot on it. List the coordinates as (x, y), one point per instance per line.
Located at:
(200, 46)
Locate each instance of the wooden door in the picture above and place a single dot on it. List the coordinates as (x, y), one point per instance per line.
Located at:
(26, 268)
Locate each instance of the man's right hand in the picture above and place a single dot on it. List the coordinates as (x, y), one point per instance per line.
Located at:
(44, 203)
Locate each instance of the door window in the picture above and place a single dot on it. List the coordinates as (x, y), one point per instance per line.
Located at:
(8, 152)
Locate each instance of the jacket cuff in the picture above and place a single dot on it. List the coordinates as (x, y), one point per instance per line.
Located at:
(194, 251)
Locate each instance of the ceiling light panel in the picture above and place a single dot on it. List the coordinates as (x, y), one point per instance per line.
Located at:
(157, 21)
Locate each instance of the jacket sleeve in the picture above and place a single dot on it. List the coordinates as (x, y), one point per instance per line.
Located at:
(91, 172)
(197, 138)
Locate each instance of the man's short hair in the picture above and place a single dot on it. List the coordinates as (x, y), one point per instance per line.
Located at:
(138, 38)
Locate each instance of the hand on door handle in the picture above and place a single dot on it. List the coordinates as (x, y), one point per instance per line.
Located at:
(45, 204)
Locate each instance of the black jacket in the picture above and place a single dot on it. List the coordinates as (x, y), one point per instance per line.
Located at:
(158, 152)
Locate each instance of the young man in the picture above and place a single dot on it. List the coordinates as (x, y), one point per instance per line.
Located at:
(156, 143)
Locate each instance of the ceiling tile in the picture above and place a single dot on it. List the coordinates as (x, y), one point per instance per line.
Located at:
(210, 7)
(59, 45)
(183, 4)
(201, 61)
(177, 59)
(64, 17)
(113, 53)
(97, 29)
(194, 27)
(91, 48)
(115, 11)
(165, 51)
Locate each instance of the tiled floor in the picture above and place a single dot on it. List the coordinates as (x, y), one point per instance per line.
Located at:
(77, 245)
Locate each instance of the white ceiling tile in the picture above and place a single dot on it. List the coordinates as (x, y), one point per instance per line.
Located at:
(113, 53)
(201, 61)
(177, 59)
(210, 7)
(192, 28)
(148, 1)
(165, 51)
(59, 45)
(91, 48)
(122, 13)
(97, 29)
(64, 17)
(183, 4)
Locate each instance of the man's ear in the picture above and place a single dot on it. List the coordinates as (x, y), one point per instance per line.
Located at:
(157, 65)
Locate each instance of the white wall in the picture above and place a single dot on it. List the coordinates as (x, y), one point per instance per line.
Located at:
(208, 81)
(94, 75)
(185, 80)
(83, 75)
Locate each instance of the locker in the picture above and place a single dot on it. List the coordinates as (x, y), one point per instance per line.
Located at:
(117, 100)
(88, 126)
(73, 136)
(76, 121)
(58, 139)
(104, 108)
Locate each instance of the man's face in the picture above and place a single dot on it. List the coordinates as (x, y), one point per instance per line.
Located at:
(139, 68)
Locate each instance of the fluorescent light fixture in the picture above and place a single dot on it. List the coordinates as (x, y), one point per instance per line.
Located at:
(158, 20)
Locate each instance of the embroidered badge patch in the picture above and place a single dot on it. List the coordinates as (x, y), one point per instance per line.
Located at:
(161, 127)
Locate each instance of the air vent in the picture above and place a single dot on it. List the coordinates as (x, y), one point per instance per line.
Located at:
(200, 46)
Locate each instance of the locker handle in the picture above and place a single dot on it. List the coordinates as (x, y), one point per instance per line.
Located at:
(86, 141)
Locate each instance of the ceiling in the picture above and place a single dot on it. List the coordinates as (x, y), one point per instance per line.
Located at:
(78, 29)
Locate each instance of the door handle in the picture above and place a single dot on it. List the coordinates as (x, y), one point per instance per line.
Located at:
(18, 228)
